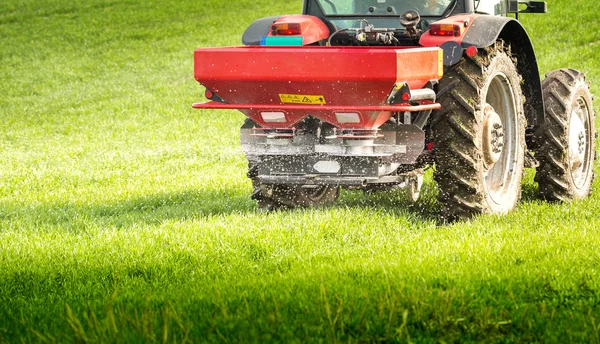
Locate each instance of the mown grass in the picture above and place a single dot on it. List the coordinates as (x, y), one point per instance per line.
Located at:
(125, 216)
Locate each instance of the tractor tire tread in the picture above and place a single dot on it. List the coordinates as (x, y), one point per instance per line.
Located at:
(459, 158)
(560, 87)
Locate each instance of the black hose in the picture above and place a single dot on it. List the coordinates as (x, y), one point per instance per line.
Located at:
(335, 33)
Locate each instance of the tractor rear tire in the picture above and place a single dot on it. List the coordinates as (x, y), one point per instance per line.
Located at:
(567, 139)
(274, 197)
(479, 135)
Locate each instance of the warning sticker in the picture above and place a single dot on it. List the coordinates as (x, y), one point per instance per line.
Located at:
(302, 99)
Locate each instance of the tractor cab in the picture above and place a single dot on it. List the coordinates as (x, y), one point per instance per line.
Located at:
(383, 8)
(358, 22)
(387, 22)
(392, 15)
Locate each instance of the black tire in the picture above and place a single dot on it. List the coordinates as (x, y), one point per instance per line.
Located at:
(272, 197)
(479, 135)
(567, 139)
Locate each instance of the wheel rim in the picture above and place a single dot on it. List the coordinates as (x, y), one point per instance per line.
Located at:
(580, 149)
(501, 144)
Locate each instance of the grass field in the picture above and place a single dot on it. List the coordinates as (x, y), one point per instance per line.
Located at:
(125, 215)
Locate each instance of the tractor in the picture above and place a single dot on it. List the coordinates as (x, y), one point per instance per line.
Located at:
(368, 94)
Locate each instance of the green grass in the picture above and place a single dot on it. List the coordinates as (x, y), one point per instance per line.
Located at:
(125, 216)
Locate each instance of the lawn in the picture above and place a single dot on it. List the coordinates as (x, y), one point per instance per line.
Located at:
(125, 215)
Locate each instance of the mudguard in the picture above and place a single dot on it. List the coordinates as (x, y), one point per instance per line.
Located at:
(258, 29)
(313, 29)
(486, 30)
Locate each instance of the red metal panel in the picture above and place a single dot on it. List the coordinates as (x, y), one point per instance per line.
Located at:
(414, 67)
(299, 64)
(342, 77)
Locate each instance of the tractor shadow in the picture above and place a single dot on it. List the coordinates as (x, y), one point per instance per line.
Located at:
(144, 210)
(426, 208)
(396, 202)
(192, 205)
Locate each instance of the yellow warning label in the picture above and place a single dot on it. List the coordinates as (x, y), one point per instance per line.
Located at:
(440, 63)
(302, 99)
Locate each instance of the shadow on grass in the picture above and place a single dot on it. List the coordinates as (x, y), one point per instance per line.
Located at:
(427, 208)
(195, 204)
(150, 209)
(396, 202)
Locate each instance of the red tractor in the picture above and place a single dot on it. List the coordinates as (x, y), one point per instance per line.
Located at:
(366, 94)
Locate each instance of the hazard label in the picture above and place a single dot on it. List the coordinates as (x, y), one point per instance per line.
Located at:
(302, 99)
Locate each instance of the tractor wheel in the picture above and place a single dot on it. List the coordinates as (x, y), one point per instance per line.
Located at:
(479, 135)
(567, 139)
(291, 196)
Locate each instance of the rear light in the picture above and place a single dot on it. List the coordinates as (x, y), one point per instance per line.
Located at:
(400, 92)
(208, 94)
(347, 117)
(471, 51)
(273, 117)
(446, 30)
(285, 29)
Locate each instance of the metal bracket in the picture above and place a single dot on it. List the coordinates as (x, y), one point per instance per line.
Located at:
(531, 6)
